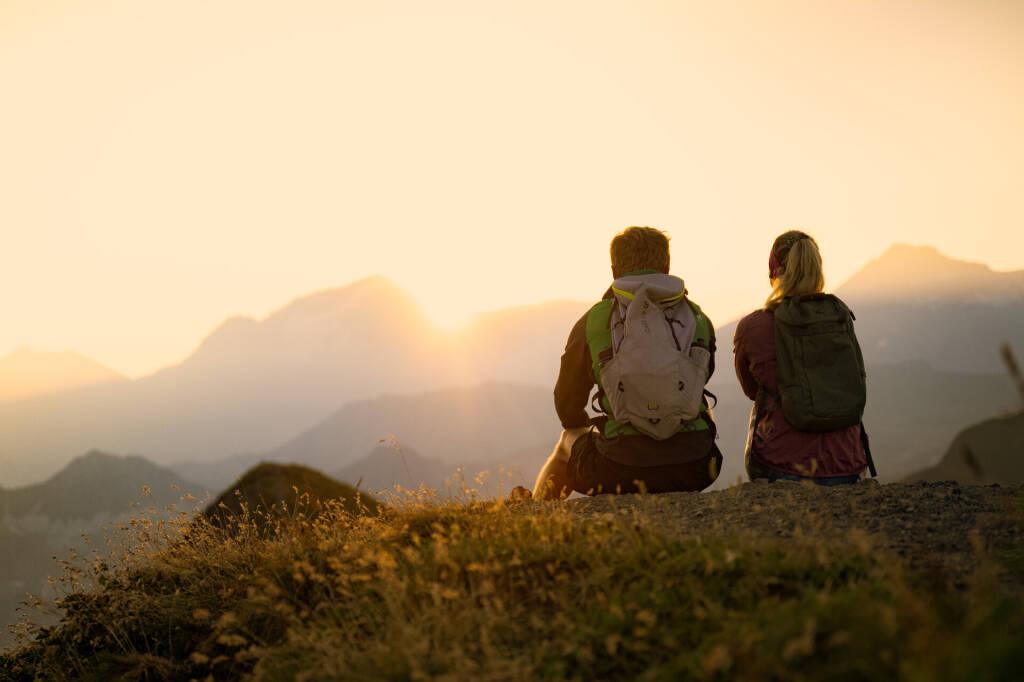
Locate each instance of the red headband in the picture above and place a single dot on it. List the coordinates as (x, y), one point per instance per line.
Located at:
(775, 269)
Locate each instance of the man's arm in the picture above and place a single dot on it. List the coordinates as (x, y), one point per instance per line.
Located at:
(575, 379)
(712, 346)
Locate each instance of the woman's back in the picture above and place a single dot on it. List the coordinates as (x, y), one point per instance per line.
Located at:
(774, 442)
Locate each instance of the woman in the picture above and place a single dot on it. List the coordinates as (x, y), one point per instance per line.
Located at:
(775, 449)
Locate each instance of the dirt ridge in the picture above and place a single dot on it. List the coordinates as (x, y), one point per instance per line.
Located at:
(940, 529)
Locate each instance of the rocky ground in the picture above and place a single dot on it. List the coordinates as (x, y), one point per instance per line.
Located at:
(941, 530)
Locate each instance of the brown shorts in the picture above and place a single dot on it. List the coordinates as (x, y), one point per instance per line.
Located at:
(591, 473)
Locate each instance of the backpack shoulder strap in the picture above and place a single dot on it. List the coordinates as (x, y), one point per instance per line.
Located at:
(599, 341)
(702, 334)
(599, 334)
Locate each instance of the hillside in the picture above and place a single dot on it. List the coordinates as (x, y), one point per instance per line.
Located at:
(762, 581)
(985, 453)
(26, 373)
(270, 489)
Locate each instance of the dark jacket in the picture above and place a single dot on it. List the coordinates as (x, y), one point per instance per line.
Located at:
(774, 442)
(573, 395)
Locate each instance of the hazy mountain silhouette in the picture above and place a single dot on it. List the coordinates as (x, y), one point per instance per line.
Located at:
(27, 373)
(508, 430)
(214, 475)
(249, 384)
(924, 274)
(504, 429)
(93, 485)
(456, 426)
(389, 466)
(252, 383)
(48, 519)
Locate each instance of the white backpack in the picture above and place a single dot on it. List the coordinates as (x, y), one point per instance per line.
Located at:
(656, 377)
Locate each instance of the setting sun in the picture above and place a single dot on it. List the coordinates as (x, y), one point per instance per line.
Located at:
(168, 165)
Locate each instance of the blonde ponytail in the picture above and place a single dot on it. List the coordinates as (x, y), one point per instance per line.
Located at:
(802, 273)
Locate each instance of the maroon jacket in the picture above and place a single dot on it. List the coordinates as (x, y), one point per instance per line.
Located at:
(775, 443)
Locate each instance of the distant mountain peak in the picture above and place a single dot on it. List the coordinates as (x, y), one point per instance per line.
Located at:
(924, 256)
(27, 355)
(374, 281)
(102, 462)
(95, 483)
(375, 290)
(27, 373)
(373, 298)
(922, 272)
(901, 250)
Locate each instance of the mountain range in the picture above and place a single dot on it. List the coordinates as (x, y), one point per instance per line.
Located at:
(324, 379)
(507, 431)
(919, 398)
(251, 383)
(476, 427)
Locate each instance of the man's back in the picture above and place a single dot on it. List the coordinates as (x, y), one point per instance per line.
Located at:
(576, 381)
(620, 452)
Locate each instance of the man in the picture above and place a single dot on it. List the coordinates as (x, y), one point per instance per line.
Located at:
(650, 351)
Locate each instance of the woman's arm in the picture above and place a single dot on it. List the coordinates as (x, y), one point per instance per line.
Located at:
(743, 365)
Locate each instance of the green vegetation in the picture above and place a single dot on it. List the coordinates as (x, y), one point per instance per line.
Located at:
(469, 590)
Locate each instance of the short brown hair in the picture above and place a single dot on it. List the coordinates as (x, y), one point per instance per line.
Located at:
(639, 248)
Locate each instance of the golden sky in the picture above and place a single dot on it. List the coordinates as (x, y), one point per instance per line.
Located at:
(166, 164)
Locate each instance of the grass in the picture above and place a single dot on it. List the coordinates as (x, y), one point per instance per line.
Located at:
(484, 591)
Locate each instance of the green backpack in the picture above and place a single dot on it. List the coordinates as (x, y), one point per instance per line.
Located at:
(822, 382)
